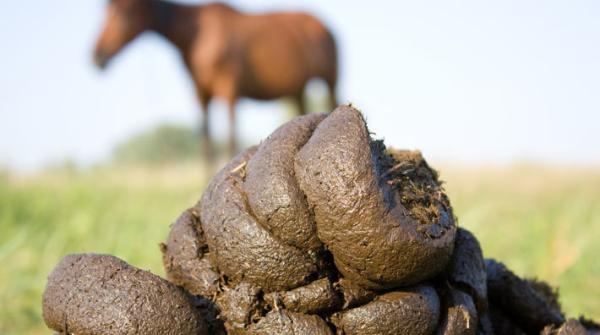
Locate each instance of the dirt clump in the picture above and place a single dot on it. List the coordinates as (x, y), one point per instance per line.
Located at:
(322, 229)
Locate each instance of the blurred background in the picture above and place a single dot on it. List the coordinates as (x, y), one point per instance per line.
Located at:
(502, 98)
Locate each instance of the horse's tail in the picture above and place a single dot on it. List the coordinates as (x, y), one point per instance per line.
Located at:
(331, 66)
(321, 52)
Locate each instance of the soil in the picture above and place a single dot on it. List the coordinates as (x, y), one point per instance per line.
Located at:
(320, 229)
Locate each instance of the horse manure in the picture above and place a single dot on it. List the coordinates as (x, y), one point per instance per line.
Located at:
(101, 294)
(410, 311)
(466, 269)
(289, 323)
(460, 315)
(519, 300)
(316, 297)
(318, 230)
(570, 327)
(186, 257)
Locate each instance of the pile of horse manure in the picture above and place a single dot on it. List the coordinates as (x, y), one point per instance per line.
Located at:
(318, 230)
(101, 294)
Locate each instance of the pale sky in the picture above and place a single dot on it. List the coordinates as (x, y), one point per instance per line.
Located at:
(464, 81)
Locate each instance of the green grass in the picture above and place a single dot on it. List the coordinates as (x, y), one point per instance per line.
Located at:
(42, 218)
(542, 222)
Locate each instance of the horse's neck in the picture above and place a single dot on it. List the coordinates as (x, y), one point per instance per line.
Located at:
(175, 22)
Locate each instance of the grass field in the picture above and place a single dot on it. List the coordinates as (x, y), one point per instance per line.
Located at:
(543, 222)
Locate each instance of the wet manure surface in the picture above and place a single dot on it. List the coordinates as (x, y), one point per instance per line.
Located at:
(320, 229)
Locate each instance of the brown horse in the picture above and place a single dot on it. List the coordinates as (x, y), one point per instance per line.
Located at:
(228, 53)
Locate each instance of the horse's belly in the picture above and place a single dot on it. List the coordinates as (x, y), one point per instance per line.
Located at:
(275, 67)
(271, 90)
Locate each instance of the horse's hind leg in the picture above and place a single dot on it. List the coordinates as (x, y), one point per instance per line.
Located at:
(300, 104)
(333, 103)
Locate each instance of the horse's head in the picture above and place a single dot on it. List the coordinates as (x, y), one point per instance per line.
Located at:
(125, 20)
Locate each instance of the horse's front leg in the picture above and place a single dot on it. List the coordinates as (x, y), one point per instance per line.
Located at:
(205, 135)
(231, 105)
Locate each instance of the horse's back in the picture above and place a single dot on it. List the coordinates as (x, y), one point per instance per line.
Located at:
(283, 51)
(267, 55)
